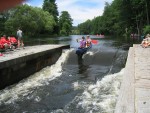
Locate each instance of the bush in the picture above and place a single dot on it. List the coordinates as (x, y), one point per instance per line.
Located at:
(146, 29)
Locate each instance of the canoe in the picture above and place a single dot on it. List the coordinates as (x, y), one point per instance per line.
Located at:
(81, 51)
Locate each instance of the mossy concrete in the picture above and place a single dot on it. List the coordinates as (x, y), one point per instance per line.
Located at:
(21, 63)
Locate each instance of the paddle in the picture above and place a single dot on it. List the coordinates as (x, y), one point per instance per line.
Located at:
(94, 41)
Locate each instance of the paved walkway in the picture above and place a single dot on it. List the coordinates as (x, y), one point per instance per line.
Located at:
(134, 94)
(27, 51)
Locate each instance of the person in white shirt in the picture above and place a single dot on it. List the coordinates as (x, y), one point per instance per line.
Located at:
(20, 38)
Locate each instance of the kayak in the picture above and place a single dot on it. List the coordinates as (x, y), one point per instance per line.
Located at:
(81, 51)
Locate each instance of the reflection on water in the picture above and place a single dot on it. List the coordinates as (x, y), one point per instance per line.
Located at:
(48, 40)
(72, 84)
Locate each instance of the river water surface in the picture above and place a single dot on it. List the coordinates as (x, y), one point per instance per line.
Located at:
(71, 85)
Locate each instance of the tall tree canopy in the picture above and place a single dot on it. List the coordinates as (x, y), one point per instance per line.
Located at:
(51, 7)
(3, 18)
(65, 23)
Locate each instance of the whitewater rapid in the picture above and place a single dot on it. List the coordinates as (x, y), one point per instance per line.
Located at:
(98, 97)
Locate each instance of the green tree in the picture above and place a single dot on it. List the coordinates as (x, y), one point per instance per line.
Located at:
(65, 23)
(85, 28)
(146, 30)
(3, 18)
(32, 20)
(121, 18)
(51, 7)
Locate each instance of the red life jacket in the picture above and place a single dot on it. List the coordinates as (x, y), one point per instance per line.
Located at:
(4, 41)
(13, 40)
(88, 42)
(1, 45)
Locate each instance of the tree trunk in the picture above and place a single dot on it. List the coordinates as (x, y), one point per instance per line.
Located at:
(147, 13)
(138, 29)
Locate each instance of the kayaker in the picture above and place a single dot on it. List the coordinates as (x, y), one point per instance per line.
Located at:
(82, 42)
(88, 41)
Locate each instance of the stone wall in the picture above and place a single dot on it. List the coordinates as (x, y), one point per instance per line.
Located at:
(14, 70)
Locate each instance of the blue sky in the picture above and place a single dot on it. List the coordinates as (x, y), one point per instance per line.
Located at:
(80, 10)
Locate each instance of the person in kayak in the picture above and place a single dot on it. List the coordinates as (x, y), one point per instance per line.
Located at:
(88, 42)
(82, 43)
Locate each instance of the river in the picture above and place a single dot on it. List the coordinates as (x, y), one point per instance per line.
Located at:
(88, 85)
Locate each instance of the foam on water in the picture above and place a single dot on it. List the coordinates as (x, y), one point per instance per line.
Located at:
(100, 97)
(90, 53)
(12, 93)
(105, 90)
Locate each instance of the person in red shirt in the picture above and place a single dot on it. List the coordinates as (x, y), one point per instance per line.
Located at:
(13, 41)
(5, 44)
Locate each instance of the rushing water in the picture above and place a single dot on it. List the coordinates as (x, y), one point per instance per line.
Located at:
(88, 85)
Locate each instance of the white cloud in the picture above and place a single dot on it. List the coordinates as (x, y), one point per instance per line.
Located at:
(81, 13)
(34, 3)
(79, 10)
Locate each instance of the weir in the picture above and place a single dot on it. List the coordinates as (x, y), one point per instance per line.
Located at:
(20, 63)
(134, 96)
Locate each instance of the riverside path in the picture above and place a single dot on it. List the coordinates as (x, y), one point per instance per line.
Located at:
(134, 96)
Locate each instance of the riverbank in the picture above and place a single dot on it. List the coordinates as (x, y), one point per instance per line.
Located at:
(134, 96)
(20, 63)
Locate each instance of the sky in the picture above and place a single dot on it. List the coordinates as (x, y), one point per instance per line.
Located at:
(79, 10)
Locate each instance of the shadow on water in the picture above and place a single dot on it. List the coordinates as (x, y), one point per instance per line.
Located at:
(82, 66)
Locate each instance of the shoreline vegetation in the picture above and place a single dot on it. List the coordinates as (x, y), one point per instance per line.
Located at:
(118, 19)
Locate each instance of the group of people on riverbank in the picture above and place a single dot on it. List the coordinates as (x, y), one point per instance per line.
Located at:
(8, 42)
(11, 42)
(146, 42)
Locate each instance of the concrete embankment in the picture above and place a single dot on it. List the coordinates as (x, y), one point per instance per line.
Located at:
(20, 63)
(134, 96)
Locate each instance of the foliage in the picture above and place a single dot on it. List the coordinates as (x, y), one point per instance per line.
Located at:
(32, 21)
(35, 21)
(51, 7)
(65, 23)
(146, 30)
(75, 30)
(85, 28)
(120, 18)
(3, 19)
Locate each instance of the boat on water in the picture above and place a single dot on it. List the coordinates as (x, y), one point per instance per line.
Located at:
(81, 51)
(85, 46)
